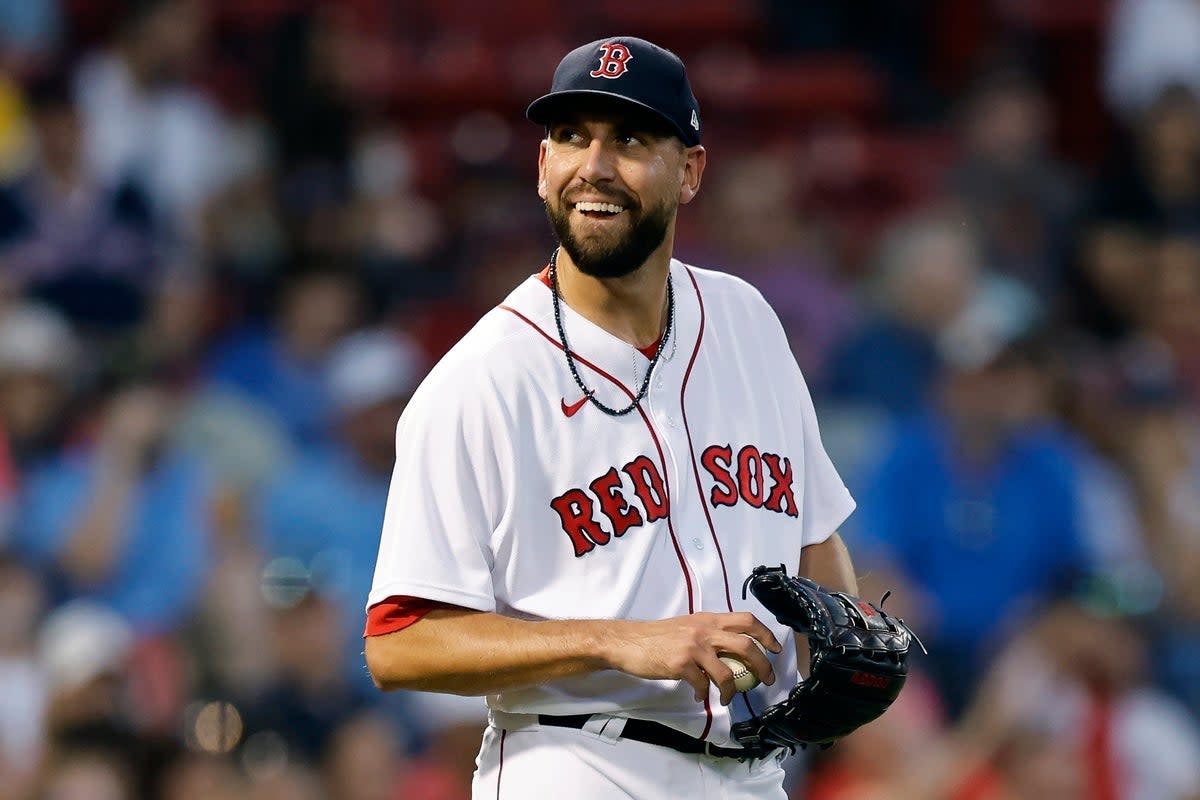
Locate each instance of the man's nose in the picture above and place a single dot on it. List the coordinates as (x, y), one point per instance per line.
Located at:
(598, 164)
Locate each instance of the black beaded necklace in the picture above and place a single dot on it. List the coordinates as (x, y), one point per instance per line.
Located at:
(562, 338)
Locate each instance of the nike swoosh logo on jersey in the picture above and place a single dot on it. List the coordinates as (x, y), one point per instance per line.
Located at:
(570, 410)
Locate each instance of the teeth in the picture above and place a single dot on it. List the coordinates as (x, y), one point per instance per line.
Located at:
(606, 208)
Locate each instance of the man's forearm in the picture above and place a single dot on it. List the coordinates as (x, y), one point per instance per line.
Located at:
(829, 564)
(474, 653)
(470, 652)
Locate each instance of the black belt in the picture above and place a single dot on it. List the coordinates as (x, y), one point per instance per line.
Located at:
(641, 730)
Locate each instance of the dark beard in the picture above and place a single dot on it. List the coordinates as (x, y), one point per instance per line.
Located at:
(623, 257)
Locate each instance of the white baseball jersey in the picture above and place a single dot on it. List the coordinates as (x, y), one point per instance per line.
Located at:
(511, 494)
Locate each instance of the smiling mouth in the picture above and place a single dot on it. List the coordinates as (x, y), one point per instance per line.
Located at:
(596, 210)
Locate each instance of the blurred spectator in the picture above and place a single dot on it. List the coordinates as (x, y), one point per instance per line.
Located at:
(1173, 303)
(142, 115)
(87, 243)
(485, 275)
(325, 510)
(1064, 712)
(975, 506)
(929, 285)
(1109, 278)
(239, 441)
(172, 341)
(1031, 765)
(926, 276)
(1095, 398)
(87, 656)
(911, 753)
(1152, 44)
(243, 229)
(38, 359)
(308, 105)
(23, 686)
(296, 782)
(1019, 198)
(1163, 448)
(1079, 674)
(84, 653)
(403, 238)
(444, 769)
(123, 519)
(203, 776)
(310, 695)
(364, 757)
(93, 773)
(875, 762)
(756, 230)
(1154, 181)
(282, 365)
(243, 445)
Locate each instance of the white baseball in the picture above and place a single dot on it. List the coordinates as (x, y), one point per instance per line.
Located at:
(743, 679)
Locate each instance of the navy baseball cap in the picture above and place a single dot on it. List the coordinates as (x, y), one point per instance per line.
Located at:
(626, 69)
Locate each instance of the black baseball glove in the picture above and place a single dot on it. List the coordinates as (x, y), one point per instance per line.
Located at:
(859, 663)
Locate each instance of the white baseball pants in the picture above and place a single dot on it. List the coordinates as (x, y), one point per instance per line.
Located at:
(522, 760)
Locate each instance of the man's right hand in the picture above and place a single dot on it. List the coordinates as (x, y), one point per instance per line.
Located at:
(688, 648)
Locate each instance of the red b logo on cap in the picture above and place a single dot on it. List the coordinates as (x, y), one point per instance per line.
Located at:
(613, 62)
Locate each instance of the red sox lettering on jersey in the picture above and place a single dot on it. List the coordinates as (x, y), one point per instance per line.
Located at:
(750, 484)
(743, 477)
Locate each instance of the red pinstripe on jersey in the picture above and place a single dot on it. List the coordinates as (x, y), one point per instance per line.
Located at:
(695, 467)
(661, 460)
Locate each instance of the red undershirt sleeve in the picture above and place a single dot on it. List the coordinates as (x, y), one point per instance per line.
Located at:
(398, 612)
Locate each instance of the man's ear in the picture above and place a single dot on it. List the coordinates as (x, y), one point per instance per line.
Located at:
(693, 171)
(543, 189)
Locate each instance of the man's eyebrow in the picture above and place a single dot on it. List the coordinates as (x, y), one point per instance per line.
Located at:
(622, 124)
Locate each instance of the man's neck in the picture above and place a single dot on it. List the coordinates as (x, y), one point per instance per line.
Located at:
(632, 308)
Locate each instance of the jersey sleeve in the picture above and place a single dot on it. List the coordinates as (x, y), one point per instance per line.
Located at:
(825, 501)
(446, 497)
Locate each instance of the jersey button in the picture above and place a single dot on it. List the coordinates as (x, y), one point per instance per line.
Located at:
(698, 544)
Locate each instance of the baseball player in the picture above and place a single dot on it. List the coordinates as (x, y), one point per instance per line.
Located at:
(586, 478)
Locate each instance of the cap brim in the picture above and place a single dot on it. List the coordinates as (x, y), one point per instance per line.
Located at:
(550, 107)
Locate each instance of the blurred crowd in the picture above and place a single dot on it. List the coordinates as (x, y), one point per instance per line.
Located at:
(235, 233)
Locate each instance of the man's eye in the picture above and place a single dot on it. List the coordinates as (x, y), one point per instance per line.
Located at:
(630, 140)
